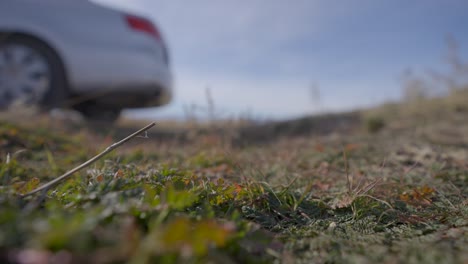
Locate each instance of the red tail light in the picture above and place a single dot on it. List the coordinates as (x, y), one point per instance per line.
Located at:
(142, 25)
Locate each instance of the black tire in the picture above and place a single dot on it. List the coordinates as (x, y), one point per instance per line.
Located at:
(56, 91)
(94, 112)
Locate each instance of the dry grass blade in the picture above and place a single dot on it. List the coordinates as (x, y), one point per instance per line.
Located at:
(348, 180)
(368, 187)
(46, 186)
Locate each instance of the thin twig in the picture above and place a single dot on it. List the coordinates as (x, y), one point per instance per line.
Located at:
(46, 186)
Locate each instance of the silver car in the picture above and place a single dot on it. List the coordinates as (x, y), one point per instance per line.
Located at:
(80, 55)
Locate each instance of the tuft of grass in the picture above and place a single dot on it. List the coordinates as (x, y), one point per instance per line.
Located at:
(375, 124)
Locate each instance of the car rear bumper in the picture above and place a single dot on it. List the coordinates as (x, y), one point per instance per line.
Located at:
(124, 78)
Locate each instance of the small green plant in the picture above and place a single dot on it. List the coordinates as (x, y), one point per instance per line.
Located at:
(375, 124)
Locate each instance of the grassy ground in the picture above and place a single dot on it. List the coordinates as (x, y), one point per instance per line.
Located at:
(387, 185)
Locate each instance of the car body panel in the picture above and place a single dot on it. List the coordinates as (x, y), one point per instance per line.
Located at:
(100, 52)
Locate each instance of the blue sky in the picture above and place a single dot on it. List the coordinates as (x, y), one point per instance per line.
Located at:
(263, 56)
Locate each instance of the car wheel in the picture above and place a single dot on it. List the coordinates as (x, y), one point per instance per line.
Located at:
(31, 74)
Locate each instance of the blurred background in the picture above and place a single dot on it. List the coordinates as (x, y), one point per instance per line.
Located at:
(276, 59)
